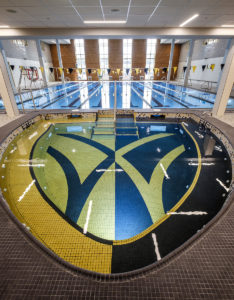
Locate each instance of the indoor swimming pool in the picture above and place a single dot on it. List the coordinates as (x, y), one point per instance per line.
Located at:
(114, 196)
(101, 95)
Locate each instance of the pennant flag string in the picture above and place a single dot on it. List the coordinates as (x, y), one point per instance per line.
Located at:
(212, 66)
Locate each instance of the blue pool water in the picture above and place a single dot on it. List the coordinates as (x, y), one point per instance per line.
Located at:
(139, 95)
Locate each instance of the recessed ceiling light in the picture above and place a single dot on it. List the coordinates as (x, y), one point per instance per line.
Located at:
(189, 20)
(227, 25)
(4, 26)
(106, 22)
(11, 11)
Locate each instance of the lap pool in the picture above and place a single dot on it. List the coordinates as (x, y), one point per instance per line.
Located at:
(101, 95)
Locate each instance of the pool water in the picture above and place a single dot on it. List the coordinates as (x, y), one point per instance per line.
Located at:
(104, 195)
(134, 95)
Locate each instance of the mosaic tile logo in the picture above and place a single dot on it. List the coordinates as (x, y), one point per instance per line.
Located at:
(112, 194)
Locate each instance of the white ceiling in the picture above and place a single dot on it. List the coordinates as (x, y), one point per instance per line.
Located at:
(169, 13)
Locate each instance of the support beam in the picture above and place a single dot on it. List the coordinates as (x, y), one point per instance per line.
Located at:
(189, 60)
(171, 60)
(6, 90)
(41, 61)
(60, 59)
(225, 86)
(229, 43)
(8, 68)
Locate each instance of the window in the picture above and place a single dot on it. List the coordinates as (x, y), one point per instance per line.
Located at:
(103, 54)
(80, 57)
(127, 55)
(21, 43)
(150, 57)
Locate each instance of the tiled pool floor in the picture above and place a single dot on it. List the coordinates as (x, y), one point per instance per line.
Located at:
(114, 197)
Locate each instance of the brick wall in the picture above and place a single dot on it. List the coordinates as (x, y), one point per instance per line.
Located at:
(68, 59)
(92, 57)
(162, 59)
(115, 56)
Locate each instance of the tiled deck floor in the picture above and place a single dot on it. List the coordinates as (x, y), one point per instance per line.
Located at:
(204, 271)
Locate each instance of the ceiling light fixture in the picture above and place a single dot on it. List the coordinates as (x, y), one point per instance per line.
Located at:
(189, 20)
(105, 22)
(4, 26)
(227, 25)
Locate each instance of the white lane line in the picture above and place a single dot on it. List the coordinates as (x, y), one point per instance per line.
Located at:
(31, 165)
(222, 184)
(87, 217)
(199, 135)
(32, 135)
(218, 148)
(188, 213)
(156, 246)
(26, 190)
(107, 170)
(164, 171)
(204, 164)
(13, 150)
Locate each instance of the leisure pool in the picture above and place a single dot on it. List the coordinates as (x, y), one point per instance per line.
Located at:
(114, 197)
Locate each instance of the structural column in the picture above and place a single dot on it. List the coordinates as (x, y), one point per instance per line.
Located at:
(229, 43)
(60, 59)
(8, 68)
(6, 90)
(225, 85)
(171, 60)
(41, 61)
(189, 60)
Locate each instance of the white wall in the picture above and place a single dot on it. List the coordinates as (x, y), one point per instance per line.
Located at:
(27, 56)
(203, 54)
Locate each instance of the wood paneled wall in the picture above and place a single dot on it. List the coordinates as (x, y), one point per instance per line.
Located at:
(115, 56)
(138, 57)
(68, 59)
(162, 59)
(92, 56)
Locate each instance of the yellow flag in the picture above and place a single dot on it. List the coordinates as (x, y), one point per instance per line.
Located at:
(42, 69)
(21, 67)
(67, 70)
(99, 71)
(118, 71)
(175, 69)
(212, 66)
(156, 70)
(80, 70)
(94, 71)
(137, 70)
(61, 70)
(194, 68)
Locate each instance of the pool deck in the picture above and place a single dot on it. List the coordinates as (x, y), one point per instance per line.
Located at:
(202, 268)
